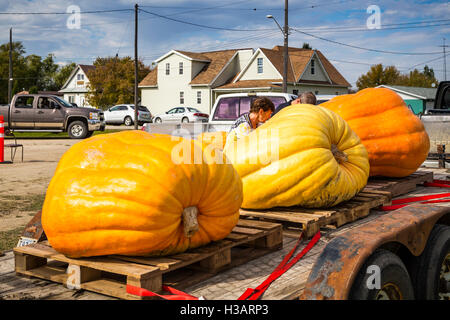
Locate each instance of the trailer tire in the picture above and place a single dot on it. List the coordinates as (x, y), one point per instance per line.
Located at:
(394, 281)
(426, 269)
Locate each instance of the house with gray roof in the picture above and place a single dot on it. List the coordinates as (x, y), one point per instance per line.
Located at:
(418, 99)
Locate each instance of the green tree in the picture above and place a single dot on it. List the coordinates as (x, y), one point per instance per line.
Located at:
(306, 46)
(112, 81)
(416, 78)
(63, 74)
(377, 75)
(29, 72)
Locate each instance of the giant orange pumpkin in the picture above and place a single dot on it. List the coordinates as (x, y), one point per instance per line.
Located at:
(394, 137)
(136, 193)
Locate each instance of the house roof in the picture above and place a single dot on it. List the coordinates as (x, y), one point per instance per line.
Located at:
(216, 62)
(299, 59)
(419, 92)
(151, 79)
(85, 67)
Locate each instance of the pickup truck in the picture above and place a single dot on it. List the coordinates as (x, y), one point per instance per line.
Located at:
(49, 113)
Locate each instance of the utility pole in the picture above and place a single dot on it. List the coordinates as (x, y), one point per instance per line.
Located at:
(285, 58)
(136, 66)
(10, 67)
(445, 62)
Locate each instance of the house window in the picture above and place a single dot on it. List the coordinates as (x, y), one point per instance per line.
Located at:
(312, 67)
(80, 76)
(260, 65)
(199, 97)
(181, 97)
(167, 68)
(180, 69)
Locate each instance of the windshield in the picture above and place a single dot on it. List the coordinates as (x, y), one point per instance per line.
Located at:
(64, 102)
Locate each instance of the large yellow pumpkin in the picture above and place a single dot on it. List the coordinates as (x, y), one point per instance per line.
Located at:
(394, 137)
(305, 155)
(136, 193)
(214, 138)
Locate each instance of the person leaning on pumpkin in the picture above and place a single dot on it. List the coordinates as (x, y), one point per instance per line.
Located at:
(261, 110)
(305, 97)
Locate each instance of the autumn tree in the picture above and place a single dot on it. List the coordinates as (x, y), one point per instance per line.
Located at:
(112, 81)
(377, 75)
(416, 78)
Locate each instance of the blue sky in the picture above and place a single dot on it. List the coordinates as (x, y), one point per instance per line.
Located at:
(410, 27)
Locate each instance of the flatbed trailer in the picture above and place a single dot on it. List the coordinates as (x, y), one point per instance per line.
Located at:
(337, 266)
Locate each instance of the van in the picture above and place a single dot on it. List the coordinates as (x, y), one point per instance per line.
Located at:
(229, 107)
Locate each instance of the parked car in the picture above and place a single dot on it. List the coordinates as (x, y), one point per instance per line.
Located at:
(124, 114)
(182, 114)
(229, 107)
(50, 113)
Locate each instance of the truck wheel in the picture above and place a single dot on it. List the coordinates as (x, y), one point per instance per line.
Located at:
(431, 270)
(128, 121)
(393, 282)
(77, 130)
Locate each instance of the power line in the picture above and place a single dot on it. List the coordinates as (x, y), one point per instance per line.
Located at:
(65, 13)
(202, 25)
(366, 49)
(335, 30)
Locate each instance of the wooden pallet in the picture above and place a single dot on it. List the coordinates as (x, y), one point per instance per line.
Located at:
(311, 220)
(399, 186)
(378, 192)
(109, 275)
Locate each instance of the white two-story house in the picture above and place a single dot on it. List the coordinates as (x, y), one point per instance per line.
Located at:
(196, 79)
(75, 89)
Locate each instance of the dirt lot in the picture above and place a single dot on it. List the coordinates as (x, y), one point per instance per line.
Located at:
(23, 184)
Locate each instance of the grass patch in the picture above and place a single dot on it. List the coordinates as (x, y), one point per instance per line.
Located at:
(9, 239)
(10, 204)
(51, 135)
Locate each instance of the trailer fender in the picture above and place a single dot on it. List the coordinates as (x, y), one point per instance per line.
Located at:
(336, 268)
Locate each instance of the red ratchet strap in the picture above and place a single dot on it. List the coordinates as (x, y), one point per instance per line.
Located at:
(176, 294)
(400, 203)
(250, 294)
(253, 294)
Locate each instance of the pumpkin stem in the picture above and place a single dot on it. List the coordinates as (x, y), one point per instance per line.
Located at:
(190, 222)
(340, 156)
